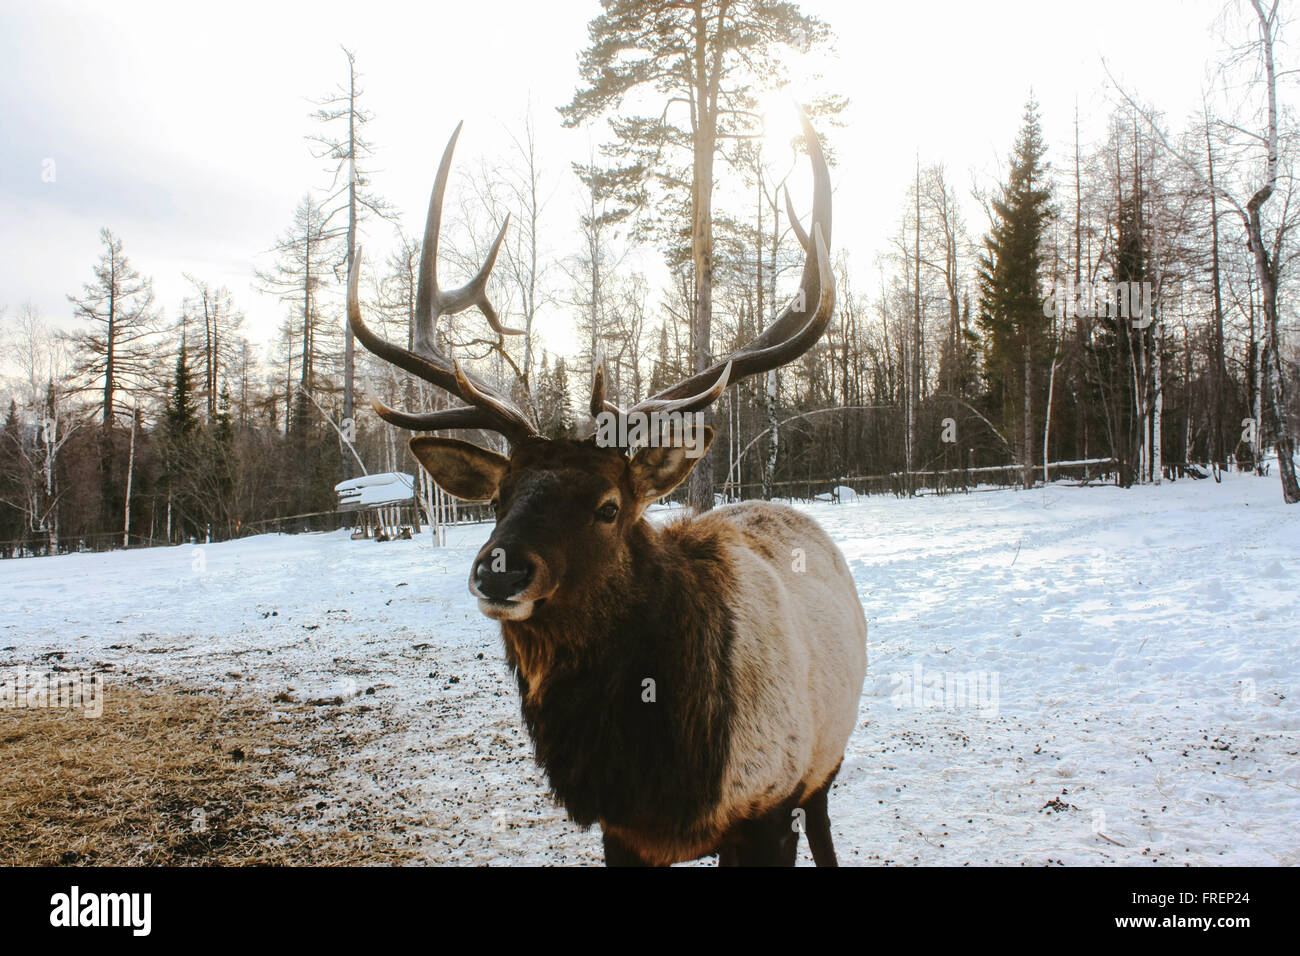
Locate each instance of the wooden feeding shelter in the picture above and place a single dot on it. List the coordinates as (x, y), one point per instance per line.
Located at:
(385, 505)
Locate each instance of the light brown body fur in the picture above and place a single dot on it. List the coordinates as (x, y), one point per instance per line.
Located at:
(799, 659)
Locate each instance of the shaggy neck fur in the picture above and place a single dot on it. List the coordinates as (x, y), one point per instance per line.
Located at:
(611, 753)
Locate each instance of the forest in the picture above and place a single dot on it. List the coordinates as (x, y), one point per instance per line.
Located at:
(1120, 310)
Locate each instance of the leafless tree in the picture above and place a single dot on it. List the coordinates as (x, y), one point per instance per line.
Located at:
(348, 150)
(116, 354)
(1263, 144)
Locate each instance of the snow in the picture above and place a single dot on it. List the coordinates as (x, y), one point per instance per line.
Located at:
(1074, 675)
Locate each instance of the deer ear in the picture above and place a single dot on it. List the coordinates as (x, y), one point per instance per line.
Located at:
(461, 469)
(657, 470)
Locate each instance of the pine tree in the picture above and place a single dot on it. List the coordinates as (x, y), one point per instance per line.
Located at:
(704, 60)
(13, 499)
(182, 413)
(225, 430)
(221, 465)
(178, 447)
(557, 418)
(1011, 315)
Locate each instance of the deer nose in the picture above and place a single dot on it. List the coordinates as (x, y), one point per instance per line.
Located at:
(502, 580)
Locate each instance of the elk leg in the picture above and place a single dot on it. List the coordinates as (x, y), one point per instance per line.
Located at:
(787, 849)
(819, 824)
(769, 840)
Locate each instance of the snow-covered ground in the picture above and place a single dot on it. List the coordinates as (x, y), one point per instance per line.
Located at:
(1105, 676)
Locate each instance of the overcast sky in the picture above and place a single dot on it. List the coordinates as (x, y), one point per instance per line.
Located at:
(183, 127)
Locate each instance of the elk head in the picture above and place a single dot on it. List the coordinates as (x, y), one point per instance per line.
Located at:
(567, 511)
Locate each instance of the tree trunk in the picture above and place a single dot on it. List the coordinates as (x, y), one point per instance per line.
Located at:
(1272, 377)
(110, 342)
(1047, 423)
(774, 436)
(130, 469)
(305, 371)
(51, 519)
(1157, 360)
(1273, 373)
(349, 343)
(914, 382)
(1157, 409)
(1219, 373)
(707, 79)
(772, 391)
(1027, 463)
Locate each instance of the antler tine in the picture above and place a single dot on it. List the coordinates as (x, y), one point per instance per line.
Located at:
(486, 410)
(491, 402)
(464, 417)
(432, 301)
(599, 403)
(417, 365)
(794, 222)
(598, 390)
(795, 330)
(426, 296)
(474, 292)
(788, 349)
(690, 403)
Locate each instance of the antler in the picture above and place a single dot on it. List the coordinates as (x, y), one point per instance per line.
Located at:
(487, 408)
(792, 333)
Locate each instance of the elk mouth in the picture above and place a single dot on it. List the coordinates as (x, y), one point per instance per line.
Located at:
(506, 609)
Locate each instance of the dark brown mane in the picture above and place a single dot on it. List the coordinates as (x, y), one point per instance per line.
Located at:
(609, 753)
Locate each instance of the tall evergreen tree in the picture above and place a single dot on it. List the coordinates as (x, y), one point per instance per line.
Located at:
(665, 370)
(179, 446)
(556, 408)
(13, 498)
(1011, 314)
(182, 412)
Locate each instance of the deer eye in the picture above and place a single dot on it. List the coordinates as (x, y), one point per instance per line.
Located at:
(607, 512)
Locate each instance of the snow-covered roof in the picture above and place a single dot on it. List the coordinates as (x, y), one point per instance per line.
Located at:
(841, 493)
(372, 491)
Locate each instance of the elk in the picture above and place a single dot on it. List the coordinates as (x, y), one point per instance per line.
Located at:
(690, 687)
